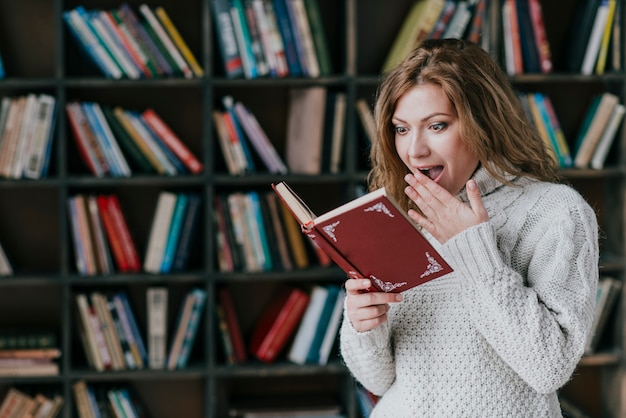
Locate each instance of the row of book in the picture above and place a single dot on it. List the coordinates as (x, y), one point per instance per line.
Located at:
(115, 141)
(18, 404)
(26, 134)
(300, 323)
(124, 43)
(315, 133)
(434, 19)
(255, 232)
(112, 337)
(595, 135)
(271, 38)
(596, 37)
(526, 44)
(101, 401)
(607, 294)
(29, 351)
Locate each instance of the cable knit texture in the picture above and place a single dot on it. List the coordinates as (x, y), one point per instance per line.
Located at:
(505, 330)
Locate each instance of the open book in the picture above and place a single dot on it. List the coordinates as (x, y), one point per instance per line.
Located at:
(372, 237)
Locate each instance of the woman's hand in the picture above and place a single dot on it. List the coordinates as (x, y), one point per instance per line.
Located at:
(444, 214)
(367, 310)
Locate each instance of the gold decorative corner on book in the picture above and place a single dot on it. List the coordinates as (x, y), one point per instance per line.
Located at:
(433, 266)
(386, 286)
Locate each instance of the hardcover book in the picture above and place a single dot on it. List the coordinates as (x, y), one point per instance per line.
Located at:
(372, 237)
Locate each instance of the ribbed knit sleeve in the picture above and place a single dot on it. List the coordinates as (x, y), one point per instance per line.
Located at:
(535, 312)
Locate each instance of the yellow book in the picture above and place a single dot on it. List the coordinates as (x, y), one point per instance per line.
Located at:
(541, 126)
(420, 15)
(606, 37)
(178, 41)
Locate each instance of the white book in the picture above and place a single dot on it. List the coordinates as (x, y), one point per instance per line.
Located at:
(608, 135)
(108, 37)
(159, 231)
(338, 134)
(116, 152)
(308, 325)
(88, 332)
(80, 25)
(595, 38)
(165, 39)
(304, 30)
(156, 311)
(42, 136)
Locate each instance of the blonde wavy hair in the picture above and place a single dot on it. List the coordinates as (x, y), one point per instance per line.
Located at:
(493, 123)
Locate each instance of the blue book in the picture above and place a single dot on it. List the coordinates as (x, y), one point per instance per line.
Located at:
(192, 327)
(45, 164)
(287, 33)
(188, 232)
(173, 236)
(259, 225)
(103, 140)
(2, 74)
(79, 254)
(329, 305)
(227, 41)
(134, 327)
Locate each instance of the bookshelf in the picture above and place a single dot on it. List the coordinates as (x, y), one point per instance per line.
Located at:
(40, 56)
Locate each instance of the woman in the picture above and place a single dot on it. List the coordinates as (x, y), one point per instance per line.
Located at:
(505, 330)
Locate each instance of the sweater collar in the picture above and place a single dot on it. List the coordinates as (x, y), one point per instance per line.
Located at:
(486, 183)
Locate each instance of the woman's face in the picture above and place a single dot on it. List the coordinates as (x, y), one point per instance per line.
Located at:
(428, 137)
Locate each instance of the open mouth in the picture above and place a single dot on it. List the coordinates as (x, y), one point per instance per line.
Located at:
(433, 172)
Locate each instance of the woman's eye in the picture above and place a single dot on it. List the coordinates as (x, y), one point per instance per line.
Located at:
(400, 130)
(438, 126)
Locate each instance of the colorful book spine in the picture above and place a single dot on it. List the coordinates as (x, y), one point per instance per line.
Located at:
(173, 237)
(192, 327)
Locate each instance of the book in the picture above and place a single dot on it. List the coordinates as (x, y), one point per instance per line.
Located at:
(307, 328)
(100, 305)
(173, 235)
(131, 328)
(366, 116)
(188, 233)
(579, 32)
(608, 135)
(178, 337)
(193, 325)
(328, 309)
(305, 125)
(156, 312)
(330, 333)
(159, 231)
(606, 38)
(407, 36)
(372, 237)
(227, 304)
(6, 269)
(277, 323)
(152, 22)
(178, 41)
(595, 38)
(594, 122)
(227, 42)
(288, 35)
(607, 294)
(172, 141)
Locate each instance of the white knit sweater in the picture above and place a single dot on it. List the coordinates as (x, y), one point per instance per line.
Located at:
(505, 330)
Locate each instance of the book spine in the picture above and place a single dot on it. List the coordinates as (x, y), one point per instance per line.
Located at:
(119, 222)
(288, 37)
(36, 164)
(85, 141)
(158, 233)
(112, 234)
(242, 35)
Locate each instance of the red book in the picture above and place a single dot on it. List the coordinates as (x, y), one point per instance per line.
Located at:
(86, 142)
(226, 302)
(541, 38)
(372, 237)
(172, 141)
(122, 244)
(277, 323)
(112, 234)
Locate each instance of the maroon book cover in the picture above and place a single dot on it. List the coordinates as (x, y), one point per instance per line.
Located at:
(372, 237)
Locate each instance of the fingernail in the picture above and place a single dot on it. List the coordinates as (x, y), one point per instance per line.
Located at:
(366, 283)
(398, 297)
(471, 185)
(408, 177)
